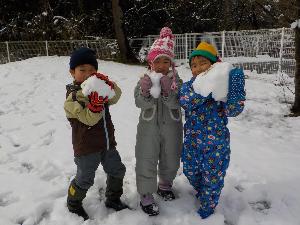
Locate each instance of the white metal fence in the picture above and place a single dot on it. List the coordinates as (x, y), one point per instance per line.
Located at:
(20, 50)
(266, 51)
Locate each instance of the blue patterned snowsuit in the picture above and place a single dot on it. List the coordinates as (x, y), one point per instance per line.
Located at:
(206, 150)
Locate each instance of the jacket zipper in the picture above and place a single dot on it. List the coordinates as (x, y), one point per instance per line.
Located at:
(106, 131)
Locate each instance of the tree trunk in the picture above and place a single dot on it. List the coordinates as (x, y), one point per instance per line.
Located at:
(46, 26)
(296, 106)
(80, 6)
(126, 53)
(227, 15)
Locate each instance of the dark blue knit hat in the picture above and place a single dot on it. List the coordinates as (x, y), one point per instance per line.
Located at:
(82, 56)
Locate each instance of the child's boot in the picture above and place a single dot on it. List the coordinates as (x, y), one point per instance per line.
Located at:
(114, 190)
(74, 200)
(165, 190)
(148, 205)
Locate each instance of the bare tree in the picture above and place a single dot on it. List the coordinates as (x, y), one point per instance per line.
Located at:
(296, 106)
(127, 55)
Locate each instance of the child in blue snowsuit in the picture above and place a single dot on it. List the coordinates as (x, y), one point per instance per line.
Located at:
(206, 150)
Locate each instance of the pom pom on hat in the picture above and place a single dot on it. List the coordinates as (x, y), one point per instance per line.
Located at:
(82, 56)
(166, 32)
(206, 50)
(163, 46)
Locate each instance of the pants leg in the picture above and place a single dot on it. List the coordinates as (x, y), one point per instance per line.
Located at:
(170, 151)
(147, 153)
(213, 174)
(115, 170)
(192, 168)
(86, 169)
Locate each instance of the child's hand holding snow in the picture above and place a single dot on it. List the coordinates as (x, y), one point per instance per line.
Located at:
(155, 79)
(95, 84)
(165, 83)
(145, 84)
(96, 104)
(105, 78)
(215, 80)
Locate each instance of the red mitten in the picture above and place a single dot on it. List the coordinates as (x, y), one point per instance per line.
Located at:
(105, 78)
(96, 104)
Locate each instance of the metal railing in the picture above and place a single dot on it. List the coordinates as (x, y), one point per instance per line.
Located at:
(20, 50)
(266, 51)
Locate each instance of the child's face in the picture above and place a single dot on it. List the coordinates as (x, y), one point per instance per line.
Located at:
(199, 64)
(162, 65)
(82, 72)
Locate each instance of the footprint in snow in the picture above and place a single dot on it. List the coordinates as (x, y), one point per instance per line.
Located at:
(239, 188)
(47, 138)
(14, 140)
(261, 206)
(19, 149)
(37, 217)
(27, 166)
(7, 198)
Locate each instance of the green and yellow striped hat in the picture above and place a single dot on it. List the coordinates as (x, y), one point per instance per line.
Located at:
(206, 50)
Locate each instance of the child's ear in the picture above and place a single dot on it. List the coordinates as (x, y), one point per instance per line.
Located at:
(72, 72)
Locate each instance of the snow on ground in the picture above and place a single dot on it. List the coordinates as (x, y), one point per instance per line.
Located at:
(36, 157)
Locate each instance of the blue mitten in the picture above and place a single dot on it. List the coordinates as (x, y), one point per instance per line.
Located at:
(236, 90)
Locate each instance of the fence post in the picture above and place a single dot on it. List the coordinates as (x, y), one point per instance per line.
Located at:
(149, 41)
(87, 43)
(186, 49)
(47, 52)
(223, 43)
(281, 52)
(257, 45)
(7, 49)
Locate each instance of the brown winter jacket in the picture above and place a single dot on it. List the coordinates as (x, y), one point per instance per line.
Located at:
(91, 132)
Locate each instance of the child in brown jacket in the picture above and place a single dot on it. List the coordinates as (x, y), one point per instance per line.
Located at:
(92, 134)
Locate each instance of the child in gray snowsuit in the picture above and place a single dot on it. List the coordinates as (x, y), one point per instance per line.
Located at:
(159, 131)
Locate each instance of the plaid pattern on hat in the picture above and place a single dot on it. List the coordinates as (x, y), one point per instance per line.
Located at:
(163, 46)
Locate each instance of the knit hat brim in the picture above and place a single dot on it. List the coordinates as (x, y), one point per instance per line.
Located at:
(203, 53)
(151, 58)
(83, 56)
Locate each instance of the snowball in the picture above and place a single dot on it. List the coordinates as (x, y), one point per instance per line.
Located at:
(95, 84)
(215, 81)
(155, 79)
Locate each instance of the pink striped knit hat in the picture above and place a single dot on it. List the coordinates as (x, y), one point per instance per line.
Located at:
(163, 46)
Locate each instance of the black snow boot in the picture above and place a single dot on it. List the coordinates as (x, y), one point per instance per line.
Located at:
(151, 210)
(74, 200)
(115, 204)
(114, 190)
(167, 195)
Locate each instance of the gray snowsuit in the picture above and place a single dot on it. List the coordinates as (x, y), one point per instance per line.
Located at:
(158, 139)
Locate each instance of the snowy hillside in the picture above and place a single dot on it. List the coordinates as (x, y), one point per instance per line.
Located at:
(36, 157)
